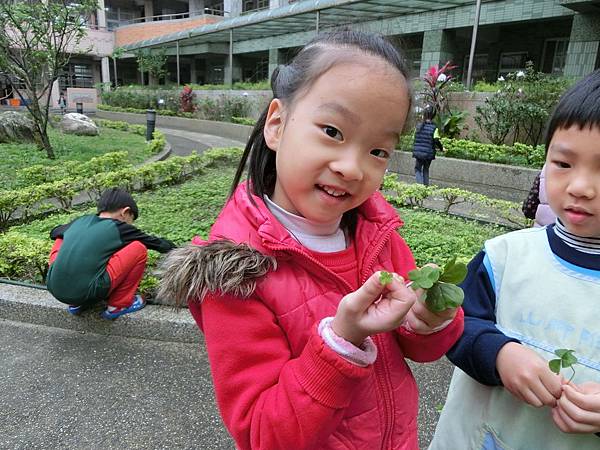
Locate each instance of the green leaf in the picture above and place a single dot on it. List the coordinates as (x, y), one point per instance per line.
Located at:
(435, 299)
(385, 278)
(453, 295)
(425, 277)
(567, 357)
(555, 365)
(453, 272)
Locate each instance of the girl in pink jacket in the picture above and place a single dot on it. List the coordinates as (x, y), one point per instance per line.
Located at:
(307, 347)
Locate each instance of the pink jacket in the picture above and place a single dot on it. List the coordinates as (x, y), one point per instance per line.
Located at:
(278, 386)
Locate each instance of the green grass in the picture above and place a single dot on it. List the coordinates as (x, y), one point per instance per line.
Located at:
(437, 237)
(175, 212)
(181, 212)
(68, 147)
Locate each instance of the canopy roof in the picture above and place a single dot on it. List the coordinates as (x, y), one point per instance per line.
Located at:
(298, 17)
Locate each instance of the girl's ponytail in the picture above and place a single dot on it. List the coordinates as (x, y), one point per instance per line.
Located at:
(264, 165)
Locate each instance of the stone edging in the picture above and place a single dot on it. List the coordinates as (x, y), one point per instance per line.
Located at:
(35, 306)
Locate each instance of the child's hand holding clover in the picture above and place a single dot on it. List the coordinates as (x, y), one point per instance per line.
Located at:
(438, 288)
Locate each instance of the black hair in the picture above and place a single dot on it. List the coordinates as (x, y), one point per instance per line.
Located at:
(114, 199)
(288, 81)
(579, 105)
(428, 115)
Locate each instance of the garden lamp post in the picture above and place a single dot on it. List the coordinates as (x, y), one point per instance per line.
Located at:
(150, 123)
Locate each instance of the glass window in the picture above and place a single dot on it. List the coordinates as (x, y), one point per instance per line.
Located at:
(555, 56)
(479, 72)
(254, 5)
(76, 75)
(511, 62)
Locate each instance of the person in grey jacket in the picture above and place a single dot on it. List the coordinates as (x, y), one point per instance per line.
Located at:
(426, 143)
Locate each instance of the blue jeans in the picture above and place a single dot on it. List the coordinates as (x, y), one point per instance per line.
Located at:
(422, 170)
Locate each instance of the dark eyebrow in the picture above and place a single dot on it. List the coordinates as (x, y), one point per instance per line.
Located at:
(563, 150)
(340, 109)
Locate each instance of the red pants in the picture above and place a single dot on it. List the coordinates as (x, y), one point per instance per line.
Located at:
(125, 269)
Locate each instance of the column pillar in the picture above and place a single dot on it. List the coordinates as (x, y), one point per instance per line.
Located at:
(437, 49)
(54, 95)
(196, 7)
(148, 10)
(275, 59)
(193, 75)
(584, 43)
(232, 8)
(105, 71)
(101, 14)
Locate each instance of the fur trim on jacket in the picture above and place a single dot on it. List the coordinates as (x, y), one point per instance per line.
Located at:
(223, 266)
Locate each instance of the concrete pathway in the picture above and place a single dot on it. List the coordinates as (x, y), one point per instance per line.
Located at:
(184, 142)
(64, 389)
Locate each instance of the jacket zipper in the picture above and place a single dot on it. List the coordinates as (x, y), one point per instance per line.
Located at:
(379, 366)
(382, 379)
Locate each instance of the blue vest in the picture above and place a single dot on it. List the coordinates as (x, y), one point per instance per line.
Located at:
(547, 304)
(423, 146)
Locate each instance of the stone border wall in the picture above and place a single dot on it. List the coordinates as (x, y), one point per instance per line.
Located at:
(494, 180)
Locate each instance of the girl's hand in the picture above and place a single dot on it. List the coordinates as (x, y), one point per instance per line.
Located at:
(372, 309)
(578, 409)
(421, 320)
(527, 376)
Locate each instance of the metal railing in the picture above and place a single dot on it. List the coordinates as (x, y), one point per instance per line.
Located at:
(161, 17)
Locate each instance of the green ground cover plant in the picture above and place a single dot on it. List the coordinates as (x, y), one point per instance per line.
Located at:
(442, 283)
(68, 147)
(182, 211)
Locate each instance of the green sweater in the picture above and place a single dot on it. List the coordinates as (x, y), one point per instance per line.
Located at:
(78, 274)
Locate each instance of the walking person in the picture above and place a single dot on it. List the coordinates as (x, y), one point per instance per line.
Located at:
(427, 141)
(62, 103)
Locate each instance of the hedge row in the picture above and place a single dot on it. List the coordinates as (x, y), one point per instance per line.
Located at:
(25, 258)
(41, 174)
(160, 112)
(36, 199)
(413, 194)
(517, 154)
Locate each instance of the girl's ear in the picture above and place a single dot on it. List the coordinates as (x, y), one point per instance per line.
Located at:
(274, 124)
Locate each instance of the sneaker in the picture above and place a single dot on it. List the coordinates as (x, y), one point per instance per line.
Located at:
(111, 314)
(75, 310)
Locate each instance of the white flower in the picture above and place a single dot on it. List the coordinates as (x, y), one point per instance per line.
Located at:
(520, 74)
(442, 77)
(500, 78)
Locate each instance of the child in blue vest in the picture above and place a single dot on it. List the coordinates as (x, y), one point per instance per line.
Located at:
(529, 293)
(427, 140)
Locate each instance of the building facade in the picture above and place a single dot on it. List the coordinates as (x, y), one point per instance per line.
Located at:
(224, 41)
(560, 36)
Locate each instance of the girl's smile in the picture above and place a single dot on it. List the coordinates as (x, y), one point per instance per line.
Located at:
(333, 142)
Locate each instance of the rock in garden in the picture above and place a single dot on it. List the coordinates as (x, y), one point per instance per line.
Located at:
(16, 127)
(80, 124)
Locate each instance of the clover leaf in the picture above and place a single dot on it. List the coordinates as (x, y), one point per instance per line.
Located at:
(385, 278)
(442, 292)
(566, 359)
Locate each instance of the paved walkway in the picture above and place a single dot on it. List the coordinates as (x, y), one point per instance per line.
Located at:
(184, 142)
